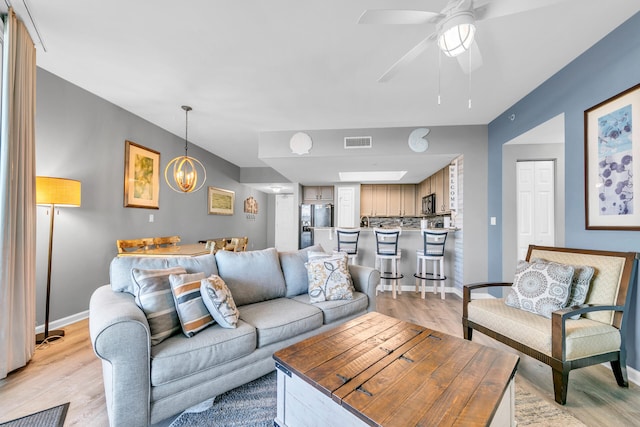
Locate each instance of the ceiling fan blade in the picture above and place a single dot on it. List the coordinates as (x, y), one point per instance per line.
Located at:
(397, 17)
(407, 58)
(489, 9)
(470, 60)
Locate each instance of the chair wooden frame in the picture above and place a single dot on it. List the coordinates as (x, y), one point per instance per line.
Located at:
(166, 241)
(557, 360)
(134, 244)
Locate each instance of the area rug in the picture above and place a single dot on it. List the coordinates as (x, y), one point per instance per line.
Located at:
(254, 405)
(52, 417)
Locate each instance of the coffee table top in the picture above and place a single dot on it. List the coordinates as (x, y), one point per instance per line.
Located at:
(393, 373)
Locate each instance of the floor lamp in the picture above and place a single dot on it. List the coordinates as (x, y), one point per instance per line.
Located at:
(54, 192)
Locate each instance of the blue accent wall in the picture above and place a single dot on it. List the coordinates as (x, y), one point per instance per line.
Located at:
(606, 69)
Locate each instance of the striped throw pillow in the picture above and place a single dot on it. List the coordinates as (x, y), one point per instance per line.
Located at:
(192, 312)
(154, 297)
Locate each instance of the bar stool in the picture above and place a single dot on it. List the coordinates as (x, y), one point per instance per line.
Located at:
(387, 251)
(432, 251)
(348, 243)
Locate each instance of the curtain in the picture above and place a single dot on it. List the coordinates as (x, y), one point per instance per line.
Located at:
(17, 198)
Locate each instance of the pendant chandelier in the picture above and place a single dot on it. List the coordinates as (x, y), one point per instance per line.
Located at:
(183, 177)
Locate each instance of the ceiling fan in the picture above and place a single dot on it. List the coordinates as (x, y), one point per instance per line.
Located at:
(453, 28)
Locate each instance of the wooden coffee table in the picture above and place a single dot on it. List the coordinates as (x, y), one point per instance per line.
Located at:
(380, 371)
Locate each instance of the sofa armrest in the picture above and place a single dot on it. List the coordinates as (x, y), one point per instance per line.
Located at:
(466, 292)
(558, 324)
(365, 280)
(120, 337)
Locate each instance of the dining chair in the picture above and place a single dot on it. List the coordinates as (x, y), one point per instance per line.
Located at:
(131, 245)
(160, 242)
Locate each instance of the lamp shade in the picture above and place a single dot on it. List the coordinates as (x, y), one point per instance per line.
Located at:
(57, 191)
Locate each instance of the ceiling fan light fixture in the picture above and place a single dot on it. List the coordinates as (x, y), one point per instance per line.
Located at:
(456, 33)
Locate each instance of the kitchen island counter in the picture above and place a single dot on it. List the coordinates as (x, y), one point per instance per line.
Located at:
(410, 241)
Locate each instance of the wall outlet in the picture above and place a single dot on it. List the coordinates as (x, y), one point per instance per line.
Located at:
(493, 220)
(151, 218)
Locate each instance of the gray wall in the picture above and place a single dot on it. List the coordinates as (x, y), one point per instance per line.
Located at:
(82, 136)
(444, 142)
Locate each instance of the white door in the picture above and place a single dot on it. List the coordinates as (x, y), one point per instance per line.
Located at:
(286, 228)
(535, 190)
(346, 207)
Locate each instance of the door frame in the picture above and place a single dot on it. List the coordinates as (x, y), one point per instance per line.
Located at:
(510, 155)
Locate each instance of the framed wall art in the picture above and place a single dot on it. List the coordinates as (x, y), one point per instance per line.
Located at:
(141, 176)
(612, 150)
(220, 202)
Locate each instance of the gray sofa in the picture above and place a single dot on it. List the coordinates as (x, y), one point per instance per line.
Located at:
(145, 384)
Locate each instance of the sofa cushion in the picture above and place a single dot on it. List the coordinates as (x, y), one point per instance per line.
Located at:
(279, 319)
(153, 295)
(219, 301)
(120, 268)
(295, 273)
(339, 309)
(329, 278)
(192, 312)
(540, 288)
(179, 356)
(584, 337)
(252, 276)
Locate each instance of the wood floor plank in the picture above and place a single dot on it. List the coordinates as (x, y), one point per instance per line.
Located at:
(69, 371)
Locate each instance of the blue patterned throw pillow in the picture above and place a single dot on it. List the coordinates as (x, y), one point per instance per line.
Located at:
(540, 287)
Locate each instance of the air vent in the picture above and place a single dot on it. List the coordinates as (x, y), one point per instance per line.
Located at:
(357, 142)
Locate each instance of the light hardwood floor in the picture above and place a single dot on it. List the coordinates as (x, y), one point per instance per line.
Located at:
(68, 371)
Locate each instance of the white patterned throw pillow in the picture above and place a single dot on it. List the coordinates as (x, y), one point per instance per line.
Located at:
(192, 312)
(540, 288)
(329, 278)
(219, 301)
(580, 284)
(154, 297)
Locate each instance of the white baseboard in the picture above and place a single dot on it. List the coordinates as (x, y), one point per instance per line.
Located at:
(61, 323)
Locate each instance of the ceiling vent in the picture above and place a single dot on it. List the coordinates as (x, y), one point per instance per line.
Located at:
(357, 142)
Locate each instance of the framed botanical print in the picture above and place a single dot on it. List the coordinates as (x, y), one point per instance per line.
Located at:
(220, 202)
(611, 150)
(141, 176)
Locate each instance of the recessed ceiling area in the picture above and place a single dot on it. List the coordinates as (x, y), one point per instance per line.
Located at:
(251, 67)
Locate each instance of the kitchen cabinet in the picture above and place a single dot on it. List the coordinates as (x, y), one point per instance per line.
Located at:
(366, 200)
(373, 200)
(409, 200)
(380, 200)
(322, 194)
(388, 200)
(394, 200)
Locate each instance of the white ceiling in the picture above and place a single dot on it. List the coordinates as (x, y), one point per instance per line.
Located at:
(253, 65)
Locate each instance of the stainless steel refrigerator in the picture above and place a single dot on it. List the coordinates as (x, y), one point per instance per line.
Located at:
(312, 216)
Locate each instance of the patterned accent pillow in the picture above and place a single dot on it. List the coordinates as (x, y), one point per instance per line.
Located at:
(219, 301)
(540, 288)
(580, 284)
(192, 312)
(154, 297)
(329, 278)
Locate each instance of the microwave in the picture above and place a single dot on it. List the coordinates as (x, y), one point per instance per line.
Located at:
(429, 204)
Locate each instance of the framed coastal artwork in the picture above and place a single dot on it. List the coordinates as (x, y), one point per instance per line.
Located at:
(220, 202)
(141, 176)
(612, 148)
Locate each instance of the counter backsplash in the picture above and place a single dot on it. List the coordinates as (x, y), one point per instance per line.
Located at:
(406, 222)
